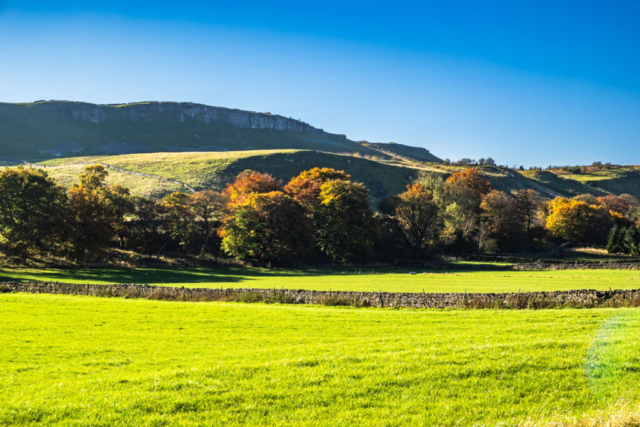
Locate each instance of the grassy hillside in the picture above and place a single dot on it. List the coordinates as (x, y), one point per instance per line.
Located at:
(214, 170)
(572, 185)
(61, 129)
(139, 185)
(615, 181)
(415, 153)
(110, 361)
(203, 170)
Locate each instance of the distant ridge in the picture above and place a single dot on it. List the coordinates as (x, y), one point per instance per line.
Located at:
(49, 129)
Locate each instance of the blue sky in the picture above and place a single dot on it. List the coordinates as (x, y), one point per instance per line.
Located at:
(531, 83)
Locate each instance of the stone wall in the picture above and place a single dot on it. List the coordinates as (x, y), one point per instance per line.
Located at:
(526, 300)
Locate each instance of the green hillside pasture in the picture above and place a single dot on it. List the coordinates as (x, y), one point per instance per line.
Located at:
(628, 183)
(215, 169)
(391, 280)
(66, 175)
(103, 362)
(565, 186)
(416, 153)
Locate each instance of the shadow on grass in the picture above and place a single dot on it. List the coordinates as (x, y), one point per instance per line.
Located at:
(192, 275)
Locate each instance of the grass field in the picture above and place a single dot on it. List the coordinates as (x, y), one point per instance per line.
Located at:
(103, 362)
(386, 280)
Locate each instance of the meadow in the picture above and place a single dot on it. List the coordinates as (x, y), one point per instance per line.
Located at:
(385, 280)
(103, 362)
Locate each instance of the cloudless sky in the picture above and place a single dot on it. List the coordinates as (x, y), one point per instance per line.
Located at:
(524, 82)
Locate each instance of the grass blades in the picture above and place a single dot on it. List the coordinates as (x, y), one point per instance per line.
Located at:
(92, 361)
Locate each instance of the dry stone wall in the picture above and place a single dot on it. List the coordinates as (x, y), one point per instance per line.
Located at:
(527, 300)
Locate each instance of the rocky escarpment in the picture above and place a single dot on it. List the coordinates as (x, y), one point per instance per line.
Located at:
(184, 112)
(48, 129)
(527, 300)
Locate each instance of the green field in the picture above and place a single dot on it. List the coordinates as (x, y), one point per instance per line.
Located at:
(386, 280)
(103, 362)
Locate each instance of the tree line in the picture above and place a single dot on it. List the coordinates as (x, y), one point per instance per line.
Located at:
(318, 216)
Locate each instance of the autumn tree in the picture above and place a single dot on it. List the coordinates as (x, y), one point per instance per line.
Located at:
(93, 177)
(587, 198)
(578, 221)
(268, 227)
(615, 203)
(144, 226)
(418, 218)
(250, 182)
(118, 200)
(305, 188)
(433, 184)
(32, 211)
(529, 204)
(339, 209)
(466, 190)
(90, 219)
(93, 231)
(345, 228)
(208, 207)
(178, 219)
(505, 221)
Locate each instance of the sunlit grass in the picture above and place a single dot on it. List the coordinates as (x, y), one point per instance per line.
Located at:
(374, 280)
(99, 362)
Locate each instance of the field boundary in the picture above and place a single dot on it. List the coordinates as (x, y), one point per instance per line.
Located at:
(527, 300)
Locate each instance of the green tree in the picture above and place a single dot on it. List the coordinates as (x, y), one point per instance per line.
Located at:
(344, 223)
(616, 239)
(209, 207)
(93, 177)
(144, 226)
(632, 241)
(118, 200)
(267, 227)
(178, 219)
(91, 223)
(32, 211)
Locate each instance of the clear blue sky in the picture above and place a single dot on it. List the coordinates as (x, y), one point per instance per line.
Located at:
(524, 82)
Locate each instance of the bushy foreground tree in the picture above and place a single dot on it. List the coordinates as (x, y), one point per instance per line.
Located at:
(267, 226)
(578, 221)
(418, 218)
(32, 211)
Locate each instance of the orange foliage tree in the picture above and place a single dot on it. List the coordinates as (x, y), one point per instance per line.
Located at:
(578, 221)
(305, 188)
(249, 182)
(615, 204)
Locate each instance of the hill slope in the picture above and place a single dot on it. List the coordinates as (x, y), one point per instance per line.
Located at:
(49, 129)
(414, 153)
(213, 170)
